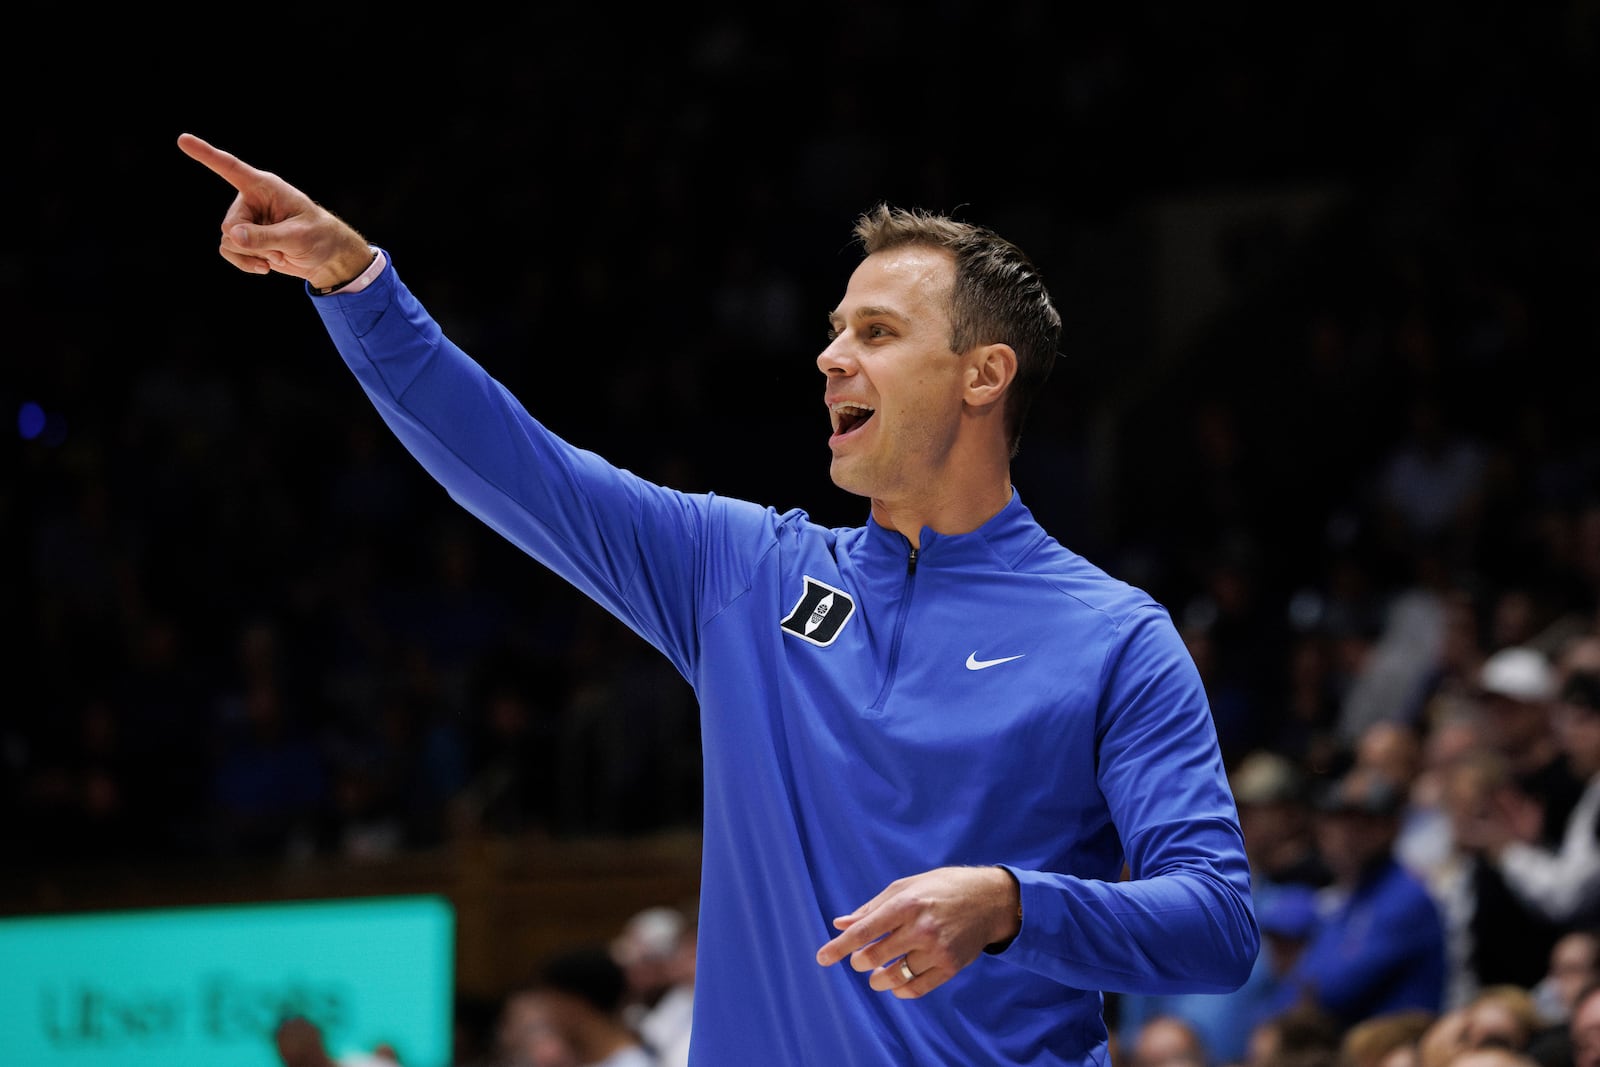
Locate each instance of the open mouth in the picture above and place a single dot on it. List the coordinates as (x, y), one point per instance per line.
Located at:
(847, 416)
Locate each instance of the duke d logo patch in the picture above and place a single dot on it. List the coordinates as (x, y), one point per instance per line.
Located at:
(821, 613)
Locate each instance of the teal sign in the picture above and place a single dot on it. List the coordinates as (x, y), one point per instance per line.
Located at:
(205, 987)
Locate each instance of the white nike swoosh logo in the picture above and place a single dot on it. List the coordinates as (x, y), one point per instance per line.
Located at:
(976, 664)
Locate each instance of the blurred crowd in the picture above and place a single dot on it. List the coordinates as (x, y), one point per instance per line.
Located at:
(240, 621)
(1445, 878)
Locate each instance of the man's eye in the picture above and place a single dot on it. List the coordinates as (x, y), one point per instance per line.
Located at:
(833, 334)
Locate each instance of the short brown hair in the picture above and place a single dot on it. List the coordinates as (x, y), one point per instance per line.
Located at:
(999, 296)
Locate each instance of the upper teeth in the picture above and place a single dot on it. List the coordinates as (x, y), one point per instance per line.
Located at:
(845, 408)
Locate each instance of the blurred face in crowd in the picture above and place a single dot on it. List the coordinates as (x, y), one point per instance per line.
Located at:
(1268, 826)
(1263, 1045)
(1468, 790)
(1585, 1030)
(531, 1033)
(1515, 727)
(1493, 1024)
(1167, 1043)
(1351, 836)
(1443, 1041)
(1578, 728)
(1573, 964)
(1392, 750)
(1349, 842)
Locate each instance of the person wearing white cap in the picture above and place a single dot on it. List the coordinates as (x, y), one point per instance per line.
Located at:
(656, 950)
(1561, 883)
(1517, 688)
(1510, 938)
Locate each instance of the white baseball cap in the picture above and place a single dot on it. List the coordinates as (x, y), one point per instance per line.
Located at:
(1519, 673)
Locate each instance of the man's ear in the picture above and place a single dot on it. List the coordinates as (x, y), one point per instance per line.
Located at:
(990, 370)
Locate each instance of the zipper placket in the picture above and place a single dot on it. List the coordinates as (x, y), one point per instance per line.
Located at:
(899, 630)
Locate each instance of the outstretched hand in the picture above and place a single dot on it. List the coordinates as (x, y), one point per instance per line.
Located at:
(272, 226)
(932, 924)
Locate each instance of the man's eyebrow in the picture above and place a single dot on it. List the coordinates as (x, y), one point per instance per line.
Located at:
(870, 312)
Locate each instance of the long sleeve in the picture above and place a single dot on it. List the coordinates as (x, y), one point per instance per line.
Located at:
(1561, 885)
(1183, 922)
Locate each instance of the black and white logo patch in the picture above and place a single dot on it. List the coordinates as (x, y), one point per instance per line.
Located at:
(821, 613)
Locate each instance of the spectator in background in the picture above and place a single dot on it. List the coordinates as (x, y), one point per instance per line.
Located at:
(656, 949)
(1580, 652)
(1379, 945)
(1276, 818)
(1444, 1040)
(1469, 785)
(1387, 1040)
(1517, 686)
(571, 1015)
(1574, 963)
(528, 1033)
(1511, 939)
(1561, 884)
(1391, 747)
(1503, 1016)
(1395, 750)
(1167, 1041)
(1584, 1028)
(1301, 1036)
(669, 1024)
(300, 1042)
(1454, 734)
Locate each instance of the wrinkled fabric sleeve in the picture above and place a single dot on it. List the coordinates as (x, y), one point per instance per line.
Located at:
(636, 548)
(1183, 920)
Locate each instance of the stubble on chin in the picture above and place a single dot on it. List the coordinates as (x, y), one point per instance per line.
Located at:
(845, 477)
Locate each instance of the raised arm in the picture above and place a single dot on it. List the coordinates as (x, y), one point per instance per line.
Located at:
(272, 226)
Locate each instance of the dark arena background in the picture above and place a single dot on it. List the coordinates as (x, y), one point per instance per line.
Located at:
(1330, 284)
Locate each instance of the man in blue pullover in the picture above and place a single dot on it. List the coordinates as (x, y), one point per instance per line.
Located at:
(940, 748)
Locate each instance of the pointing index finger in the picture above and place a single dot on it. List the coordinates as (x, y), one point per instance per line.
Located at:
(225, 165)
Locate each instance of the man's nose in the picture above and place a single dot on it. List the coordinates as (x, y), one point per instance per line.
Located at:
(835, 359)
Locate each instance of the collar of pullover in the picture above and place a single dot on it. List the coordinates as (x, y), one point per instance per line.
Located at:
(1008, 536)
